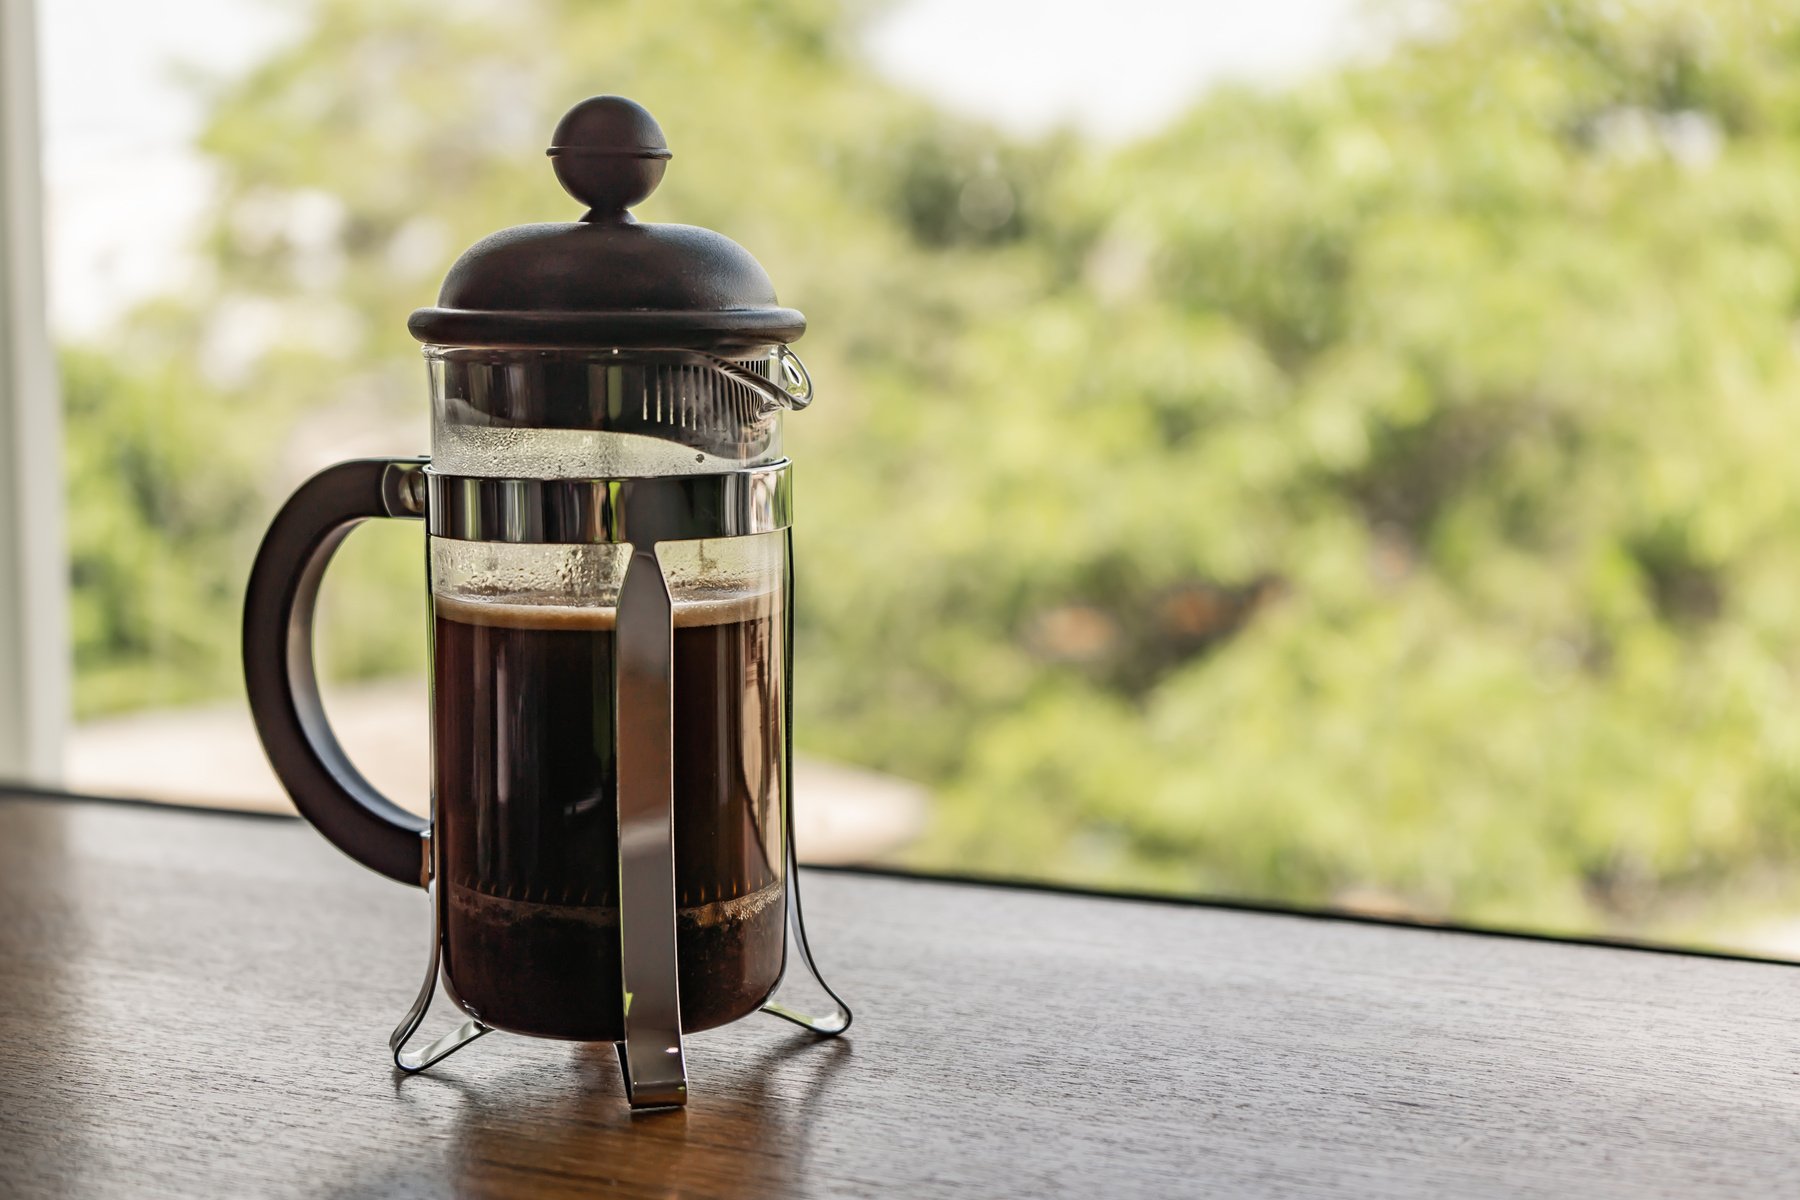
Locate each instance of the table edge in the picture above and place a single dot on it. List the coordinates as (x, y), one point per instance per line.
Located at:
(13, 792)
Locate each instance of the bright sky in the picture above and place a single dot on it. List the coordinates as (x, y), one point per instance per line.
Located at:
(115, 107)
(1114, 67)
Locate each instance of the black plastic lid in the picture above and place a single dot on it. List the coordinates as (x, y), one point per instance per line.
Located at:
(607, 280)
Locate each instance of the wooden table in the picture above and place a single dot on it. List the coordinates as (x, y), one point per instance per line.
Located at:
(195, 1004)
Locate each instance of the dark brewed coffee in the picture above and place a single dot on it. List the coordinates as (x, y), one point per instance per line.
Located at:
(524, 771)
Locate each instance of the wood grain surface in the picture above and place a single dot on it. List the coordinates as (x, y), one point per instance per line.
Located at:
(195, 1004)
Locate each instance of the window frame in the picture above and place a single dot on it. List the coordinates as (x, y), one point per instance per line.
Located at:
(35, 663)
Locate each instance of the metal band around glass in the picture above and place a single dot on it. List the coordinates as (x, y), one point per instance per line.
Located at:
(672, 508)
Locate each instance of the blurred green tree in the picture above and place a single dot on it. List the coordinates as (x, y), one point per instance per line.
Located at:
(1371, 490)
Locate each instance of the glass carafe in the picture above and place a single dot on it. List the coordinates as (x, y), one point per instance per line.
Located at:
(525, 660)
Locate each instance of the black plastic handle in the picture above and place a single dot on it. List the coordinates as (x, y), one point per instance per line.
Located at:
(278, 661)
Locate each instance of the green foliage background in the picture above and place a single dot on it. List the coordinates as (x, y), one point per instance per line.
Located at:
(1375, 490)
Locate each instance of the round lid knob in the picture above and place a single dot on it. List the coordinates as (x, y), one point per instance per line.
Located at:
(607, 280)
(609, 153)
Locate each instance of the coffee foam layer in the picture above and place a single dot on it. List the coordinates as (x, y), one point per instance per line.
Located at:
(725, 608)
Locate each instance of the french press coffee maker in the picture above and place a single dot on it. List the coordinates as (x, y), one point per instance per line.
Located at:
(610, 854)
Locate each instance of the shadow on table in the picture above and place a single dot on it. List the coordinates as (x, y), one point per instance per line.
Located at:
(747, 1130)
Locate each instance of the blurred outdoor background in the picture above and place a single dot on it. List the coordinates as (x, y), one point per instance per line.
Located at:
(1327, 454)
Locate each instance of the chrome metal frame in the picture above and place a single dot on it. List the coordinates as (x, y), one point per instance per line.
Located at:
(644, 513)
(836, 1018)
(650, 1055)
(673, 508)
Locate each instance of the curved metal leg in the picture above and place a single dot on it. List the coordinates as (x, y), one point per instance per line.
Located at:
(834, 1015)
(412, 1061)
